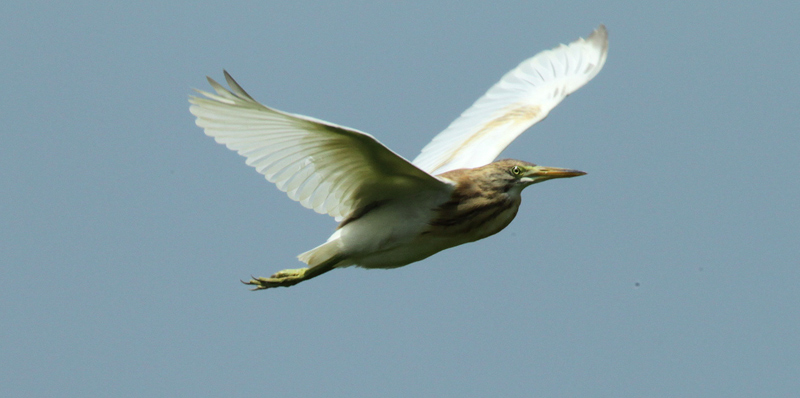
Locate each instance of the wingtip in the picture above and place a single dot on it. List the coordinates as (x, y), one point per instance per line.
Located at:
(235, 87)
(599, 36)
(213, 82)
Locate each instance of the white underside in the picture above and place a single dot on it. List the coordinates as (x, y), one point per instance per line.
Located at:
(392, 236)
(389, 236)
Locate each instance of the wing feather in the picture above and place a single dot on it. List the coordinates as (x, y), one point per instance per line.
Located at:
(328, 168)
(523, 97)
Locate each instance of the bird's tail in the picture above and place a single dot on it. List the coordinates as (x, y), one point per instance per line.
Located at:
(320, 254)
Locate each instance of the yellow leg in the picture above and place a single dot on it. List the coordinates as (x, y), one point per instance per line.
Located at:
(290, 277)
(285, 278)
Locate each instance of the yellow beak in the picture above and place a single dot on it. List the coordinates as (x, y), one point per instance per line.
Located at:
(541, 173)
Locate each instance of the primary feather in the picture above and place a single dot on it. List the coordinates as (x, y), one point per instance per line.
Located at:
(328, 168)
(523, 97)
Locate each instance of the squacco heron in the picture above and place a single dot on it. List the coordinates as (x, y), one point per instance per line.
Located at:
(393, 212)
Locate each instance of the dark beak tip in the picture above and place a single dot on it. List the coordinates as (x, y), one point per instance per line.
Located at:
(555, 172)
(573, 173)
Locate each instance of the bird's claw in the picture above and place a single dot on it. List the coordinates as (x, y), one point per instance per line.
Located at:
(262, 283)
(259, 285)
(285, 278)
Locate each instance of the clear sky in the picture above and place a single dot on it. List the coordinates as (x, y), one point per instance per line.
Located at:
(670, 270)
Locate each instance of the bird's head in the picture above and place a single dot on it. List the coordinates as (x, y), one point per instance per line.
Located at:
(515, 175)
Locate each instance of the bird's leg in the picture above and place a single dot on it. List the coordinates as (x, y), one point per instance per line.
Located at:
(290, 277)
(285, 278)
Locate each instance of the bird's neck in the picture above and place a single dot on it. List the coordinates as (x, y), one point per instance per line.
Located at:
(475, 210)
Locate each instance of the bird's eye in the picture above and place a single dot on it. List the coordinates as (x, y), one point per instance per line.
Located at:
(516, 170)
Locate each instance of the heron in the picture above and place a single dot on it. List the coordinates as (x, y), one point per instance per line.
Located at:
(393, 212)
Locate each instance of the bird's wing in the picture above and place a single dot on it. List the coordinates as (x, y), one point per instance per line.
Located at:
(523, 97)
(327, 168)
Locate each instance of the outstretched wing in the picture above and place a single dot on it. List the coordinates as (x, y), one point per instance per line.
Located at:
(523, 97)
(328, 168)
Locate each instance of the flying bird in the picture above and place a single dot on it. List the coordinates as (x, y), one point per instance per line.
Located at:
(393, 212)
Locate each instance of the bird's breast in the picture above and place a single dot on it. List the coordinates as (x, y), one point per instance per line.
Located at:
(468, 220)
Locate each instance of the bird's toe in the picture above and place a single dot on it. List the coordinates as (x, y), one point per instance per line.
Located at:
(285, 278)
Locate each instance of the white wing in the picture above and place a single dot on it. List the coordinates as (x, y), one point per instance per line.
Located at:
(523, 97)
(325, 167)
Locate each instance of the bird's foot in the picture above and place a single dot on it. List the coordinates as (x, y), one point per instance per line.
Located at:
(285, 278)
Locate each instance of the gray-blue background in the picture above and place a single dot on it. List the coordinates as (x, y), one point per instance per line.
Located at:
(671, 269)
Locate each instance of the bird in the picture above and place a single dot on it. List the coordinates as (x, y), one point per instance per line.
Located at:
(391, 211)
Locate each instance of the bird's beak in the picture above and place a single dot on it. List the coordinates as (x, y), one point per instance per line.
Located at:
(543, 173)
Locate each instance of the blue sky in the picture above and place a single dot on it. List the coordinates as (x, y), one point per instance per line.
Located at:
(671, 269)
